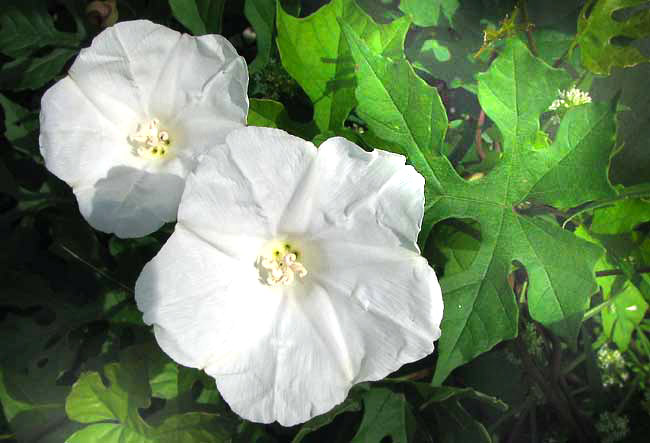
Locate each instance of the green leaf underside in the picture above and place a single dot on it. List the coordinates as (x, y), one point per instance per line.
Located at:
(595, 33)
(199, 16)
(480, 308)
(320, 61)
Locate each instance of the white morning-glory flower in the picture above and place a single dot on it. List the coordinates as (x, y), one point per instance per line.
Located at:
(293, 273)
(125, 126)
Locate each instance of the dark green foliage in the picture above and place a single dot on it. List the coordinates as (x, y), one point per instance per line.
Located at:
(537, 221)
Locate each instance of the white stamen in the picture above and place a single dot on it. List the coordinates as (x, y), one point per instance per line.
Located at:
(150, 140)
(283, 270)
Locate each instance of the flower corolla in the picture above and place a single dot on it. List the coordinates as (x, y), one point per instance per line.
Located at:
(126, 125)
(293, 273)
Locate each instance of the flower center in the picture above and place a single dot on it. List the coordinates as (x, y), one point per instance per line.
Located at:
(278, 264)
(150, 140)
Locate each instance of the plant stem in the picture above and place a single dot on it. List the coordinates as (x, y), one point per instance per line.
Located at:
(529, 32)
(97, 270)
(596, 309)
(478, 141)
(609, 272)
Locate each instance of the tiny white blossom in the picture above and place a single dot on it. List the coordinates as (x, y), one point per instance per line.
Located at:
(125, 126)
(568, 99)
(612, 365)
(293, 273)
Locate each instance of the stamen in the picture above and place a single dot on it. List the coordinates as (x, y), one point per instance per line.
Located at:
(281, 269)
(150, 141)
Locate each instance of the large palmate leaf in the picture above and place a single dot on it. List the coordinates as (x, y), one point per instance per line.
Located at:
(597, 27)
(630, 165)
(480, 308)
(446, 49)
(315, 53)
(401, 109)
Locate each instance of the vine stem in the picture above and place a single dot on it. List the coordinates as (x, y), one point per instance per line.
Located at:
(596, 309)
(97, 270)
(529, 32)
(478, 139)
(610, 272)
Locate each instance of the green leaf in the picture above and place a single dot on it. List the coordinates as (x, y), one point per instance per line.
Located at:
(385, 413)
(582, 146)
(424, 13)
(199, 16)
(627, 307)
(480, 307)
(622, 216)
(25, 26)
(400, 108)
(42, 347)
(261, 15)
(33, 72)
(596, 31)
(349, 405)
(195, 427)
(272, 114)
(91, 401)
(446, 51)
(21, 126)
(267, 113)
(456, 425)
(625, 313)
(315, 53)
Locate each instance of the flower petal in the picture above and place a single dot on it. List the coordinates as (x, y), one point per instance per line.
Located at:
(361, 197)
(335, 331)
(395, 297)
(82, 149)
(214, 84)
(205, 305)
(243, 188)
(130, 202)
(118, 72)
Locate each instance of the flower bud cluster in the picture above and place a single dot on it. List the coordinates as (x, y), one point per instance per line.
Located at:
(569, 99)
(612, 365)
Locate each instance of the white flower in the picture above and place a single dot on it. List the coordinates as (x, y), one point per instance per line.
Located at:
(126, 125)
(568, 99)
(293, 273)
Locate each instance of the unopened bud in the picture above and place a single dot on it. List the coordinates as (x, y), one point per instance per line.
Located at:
(102, 13)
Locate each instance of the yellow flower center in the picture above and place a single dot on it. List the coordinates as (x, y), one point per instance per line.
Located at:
(278, 264)
(150, 140)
